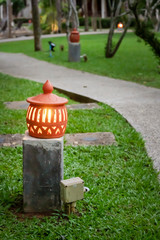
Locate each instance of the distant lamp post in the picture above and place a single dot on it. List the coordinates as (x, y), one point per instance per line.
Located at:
(120, 25)
(47, 114)
(74, 46)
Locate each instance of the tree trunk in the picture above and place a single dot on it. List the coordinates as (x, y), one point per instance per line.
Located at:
(115, 49)
(68, 20)
(94, 14)
(36, 25)
(59, 14)
(85, 4)
(9, 18)
(103, 9)
(157, 25)
(100, 24)
(73, 15)
(108, 50)
(111, 48)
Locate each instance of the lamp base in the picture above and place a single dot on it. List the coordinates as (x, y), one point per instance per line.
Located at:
(74, 52)
(42, 173)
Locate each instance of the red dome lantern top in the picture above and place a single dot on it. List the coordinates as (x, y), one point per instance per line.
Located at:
(47, 98)
(47, 114)
(75, 31)
(74, 36)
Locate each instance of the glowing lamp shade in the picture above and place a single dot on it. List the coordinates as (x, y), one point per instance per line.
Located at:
(120, 25)
(47, 114)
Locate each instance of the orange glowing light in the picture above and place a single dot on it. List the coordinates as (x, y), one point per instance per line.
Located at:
(120, 25)
(54, 27)
(47, 114)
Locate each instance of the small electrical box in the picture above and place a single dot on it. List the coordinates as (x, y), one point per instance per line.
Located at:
(72, 190)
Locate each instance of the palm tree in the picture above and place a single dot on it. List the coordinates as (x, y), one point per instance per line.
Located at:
(36, 25)
(9, 18)
(73, 14)
(85, 5)
(94, 14)
(103, 9)
(59, 14)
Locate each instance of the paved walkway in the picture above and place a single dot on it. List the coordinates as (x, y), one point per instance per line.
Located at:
(140, 105)
(49, 35)
(59, 35)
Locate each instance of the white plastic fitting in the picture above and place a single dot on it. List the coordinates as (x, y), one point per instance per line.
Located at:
(86, 189)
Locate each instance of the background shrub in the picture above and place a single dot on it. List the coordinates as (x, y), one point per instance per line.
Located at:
(105, 22)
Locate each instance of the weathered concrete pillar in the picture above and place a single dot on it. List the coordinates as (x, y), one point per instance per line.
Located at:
(42, 173)
(74, 52)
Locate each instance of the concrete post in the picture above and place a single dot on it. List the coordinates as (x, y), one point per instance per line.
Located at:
(42, 173)
(74, 52)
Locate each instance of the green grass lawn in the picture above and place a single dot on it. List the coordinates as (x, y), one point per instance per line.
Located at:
(134, 60)
(124, 198)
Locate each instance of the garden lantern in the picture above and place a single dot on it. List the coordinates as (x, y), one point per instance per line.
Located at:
(74, 36)
(120, 25)
(74, 46)
(47, 114)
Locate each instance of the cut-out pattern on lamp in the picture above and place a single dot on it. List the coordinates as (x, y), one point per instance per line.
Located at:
(47, 114)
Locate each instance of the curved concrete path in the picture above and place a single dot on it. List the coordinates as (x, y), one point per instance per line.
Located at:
(140, 105)
(58, 35)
